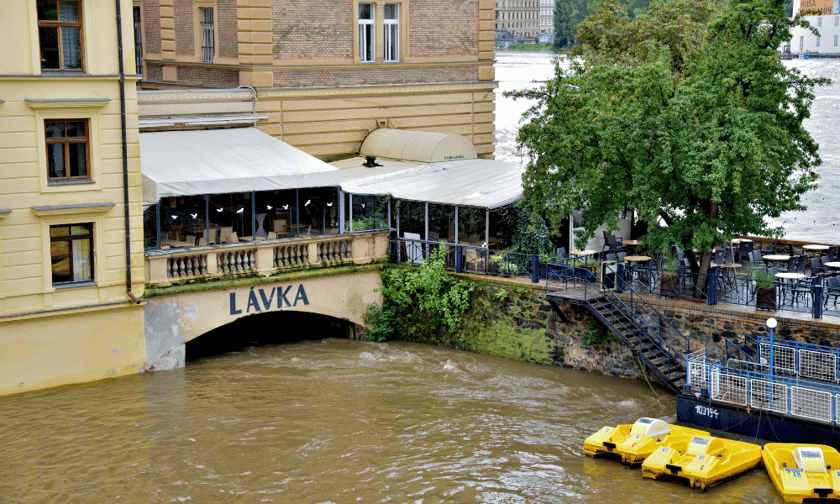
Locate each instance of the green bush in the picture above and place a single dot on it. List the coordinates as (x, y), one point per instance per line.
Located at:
(594, 335)
(422, 304)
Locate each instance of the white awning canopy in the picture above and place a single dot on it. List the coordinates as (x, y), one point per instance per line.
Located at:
(480, 183)
(196, 162)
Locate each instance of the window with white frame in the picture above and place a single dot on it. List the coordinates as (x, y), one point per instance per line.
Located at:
(819, 21)
(392, 32)
(836, 20)
(818, 41)
(367, 23)
(835, 41)
(208, 35)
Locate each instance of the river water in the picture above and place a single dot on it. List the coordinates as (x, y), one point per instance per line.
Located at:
(820, 223)
(337, 421)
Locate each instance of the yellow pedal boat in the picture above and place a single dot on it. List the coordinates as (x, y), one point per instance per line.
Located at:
(633, 443)
(803, 471)
(702, 460)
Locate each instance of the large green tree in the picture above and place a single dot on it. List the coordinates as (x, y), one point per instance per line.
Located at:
(685, 114)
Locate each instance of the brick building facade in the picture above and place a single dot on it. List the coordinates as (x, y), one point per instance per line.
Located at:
(328, 72)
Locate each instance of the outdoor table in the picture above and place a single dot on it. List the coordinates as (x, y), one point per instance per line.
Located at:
(833, 264)
(814, 249)
(582, 252)
(636, 259)
(741, 240)
(633, 243)
(789, 276)
(775, 257)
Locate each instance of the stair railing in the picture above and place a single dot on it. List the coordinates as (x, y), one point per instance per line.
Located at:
(651, 335)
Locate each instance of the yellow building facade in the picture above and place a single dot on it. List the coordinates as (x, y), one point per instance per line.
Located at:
(328, 72)
(71, 263)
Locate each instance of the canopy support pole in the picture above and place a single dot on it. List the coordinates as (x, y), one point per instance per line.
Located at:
(157, 222)
(351, 213)
(426, 211)
(253, 216)
(207, 219)
(389, 211)
(456, 224)
(340, 211)
(297, 212)
(487, 229)
(399, 247)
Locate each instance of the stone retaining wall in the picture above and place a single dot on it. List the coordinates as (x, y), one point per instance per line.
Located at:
(705, 326)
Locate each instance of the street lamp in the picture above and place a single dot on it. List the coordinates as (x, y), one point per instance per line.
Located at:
(771, 324)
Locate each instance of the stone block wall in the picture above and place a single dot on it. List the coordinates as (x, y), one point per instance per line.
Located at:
(301, 31)
(227, 26)
(184, 33)
(151, 26)
(443, 28)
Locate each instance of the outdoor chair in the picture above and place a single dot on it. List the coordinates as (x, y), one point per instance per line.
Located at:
(817, 267)
(745, 250)
(561, 253)
(832, 288)
(611, 243)
(803, 288)
(800, 265)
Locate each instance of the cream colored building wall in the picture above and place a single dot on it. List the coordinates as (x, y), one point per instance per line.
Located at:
(330, 123)
(72, 316)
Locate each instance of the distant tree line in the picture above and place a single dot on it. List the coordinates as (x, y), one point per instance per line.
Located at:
(569, 13)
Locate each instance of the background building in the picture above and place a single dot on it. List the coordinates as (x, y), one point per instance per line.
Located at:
(70, 260)
(547, 17)
(520, 17)
(328, 72)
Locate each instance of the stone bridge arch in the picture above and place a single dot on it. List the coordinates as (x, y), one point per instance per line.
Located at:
(171, 320)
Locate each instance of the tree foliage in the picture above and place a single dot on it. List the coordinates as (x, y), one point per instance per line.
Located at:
(568, 14)
(684, 113)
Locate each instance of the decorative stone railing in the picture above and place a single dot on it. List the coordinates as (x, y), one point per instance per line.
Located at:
(263, 258)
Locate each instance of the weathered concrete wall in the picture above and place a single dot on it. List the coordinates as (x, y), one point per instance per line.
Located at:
(173, 320)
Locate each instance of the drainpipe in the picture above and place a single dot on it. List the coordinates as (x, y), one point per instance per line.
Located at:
(124, 158)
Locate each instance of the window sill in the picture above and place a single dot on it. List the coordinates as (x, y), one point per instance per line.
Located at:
(73, 285)
(54, 183)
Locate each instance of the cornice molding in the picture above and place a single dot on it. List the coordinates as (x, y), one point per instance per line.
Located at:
(66, 103)
(77, 208)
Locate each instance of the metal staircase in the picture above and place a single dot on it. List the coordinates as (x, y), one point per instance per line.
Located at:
(657, 343)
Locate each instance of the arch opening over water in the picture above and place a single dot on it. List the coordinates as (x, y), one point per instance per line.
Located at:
(273, 328)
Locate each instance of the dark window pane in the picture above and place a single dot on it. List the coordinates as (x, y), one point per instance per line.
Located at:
(78, 160)
(56, 231)
(55, 153)
(365, 11)
(76, 129)
(54, 129)
(69, 10)
(60, 252)
(47, 10)
(80, 229)
(49, 48)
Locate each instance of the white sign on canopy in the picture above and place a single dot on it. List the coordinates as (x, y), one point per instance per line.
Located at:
(196, 162)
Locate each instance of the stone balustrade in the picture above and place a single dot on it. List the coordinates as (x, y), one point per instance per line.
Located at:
(263, 258)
